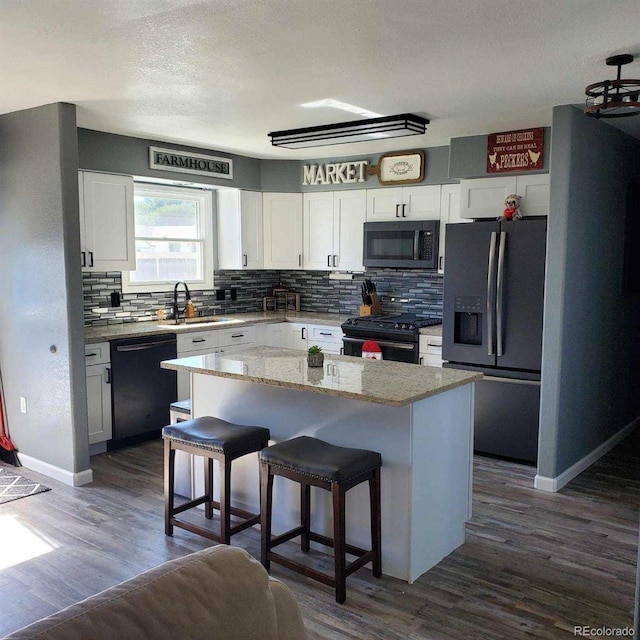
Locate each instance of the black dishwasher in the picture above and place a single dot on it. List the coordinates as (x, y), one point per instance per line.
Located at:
(141, 391)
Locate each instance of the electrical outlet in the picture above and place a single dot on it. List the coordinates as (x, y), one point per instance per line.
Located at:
(234, 293)
(220, 294)
(23, 404)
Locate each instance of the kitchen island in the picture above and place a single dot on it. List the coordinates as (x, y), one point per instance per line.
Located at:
(419, 418)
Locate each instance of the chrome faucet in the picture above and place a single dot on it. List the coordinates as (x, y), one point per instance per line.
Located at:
(176, 308)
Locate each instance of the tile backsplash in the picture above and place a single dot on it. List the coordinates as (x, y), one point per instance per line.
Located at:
(411, 291)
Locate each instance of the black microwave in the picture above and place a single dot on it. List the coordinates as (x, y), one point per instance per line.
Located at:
(407, 244)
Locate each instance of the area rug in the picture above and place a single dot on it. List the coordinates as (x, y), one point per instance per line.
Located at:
(14, 486)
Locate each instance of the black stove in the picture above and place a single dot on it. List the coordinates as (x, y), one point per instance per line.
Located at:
(397, 335)
(405, 325)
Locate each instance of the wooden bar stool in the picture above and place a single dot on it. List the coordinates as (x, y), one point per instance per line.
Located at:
(213, 439)
(313, 462)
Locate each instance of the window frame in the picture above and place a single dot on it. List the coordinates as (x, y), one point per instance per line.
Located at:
(206, 220)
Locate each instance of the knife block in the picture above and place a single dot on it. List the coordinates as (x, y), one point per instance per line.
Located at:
(373, 309)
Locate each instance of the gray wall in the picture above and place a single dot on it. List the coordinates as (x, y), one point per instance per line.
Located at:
(436, 170)
(99, 151)
(590, 345)
(281, 175)
(468, 157)
(41, 286)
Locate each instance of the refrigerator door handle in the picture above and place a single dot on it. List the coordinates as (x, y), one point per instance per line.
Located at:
(500, 293)
(490, 281)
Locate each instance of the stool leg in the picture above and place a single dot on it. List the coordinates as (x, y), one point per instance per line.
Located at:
(225, 500)
(208, 487)
(305, 515)
(339, 541)
(376, 523)
(169, 473)
(266, 494)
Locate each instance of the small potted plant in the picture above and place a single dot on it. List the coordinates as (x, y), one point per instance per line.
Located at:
(315, 357)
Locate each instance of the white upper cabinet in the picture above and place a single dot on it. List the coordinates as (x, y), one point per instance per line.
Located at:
(349, 215)
(240, 229)
(421, 203)
(333, 230)
(449, 213)
(535, 194)
(106, 222)
(318, 231)
(282, 230)
(484, 197)
(404, 203)
(383, 204)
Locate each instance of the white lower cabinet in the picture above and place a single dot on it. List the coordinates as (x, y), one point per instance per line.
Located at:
(202, 342)
(276, 335)
(193, 344)
(298, 335)
(98, 376)
(329, 339)
(430, 349)
(231, 337)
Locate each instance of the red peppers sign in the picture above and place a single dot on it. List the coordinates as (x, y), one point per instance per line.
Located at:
(515, 150)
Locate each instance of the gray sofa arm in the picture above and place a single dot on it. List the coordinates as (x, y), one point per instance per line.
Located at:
(218, 593)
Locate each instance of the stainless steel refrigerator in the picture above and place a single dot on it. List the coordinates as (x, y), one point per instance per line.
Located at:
(492, 322)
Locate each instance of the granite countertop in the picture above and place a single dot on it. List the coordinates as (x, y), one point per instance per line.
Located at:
(433, 330)
(210, 323)
(380, 381)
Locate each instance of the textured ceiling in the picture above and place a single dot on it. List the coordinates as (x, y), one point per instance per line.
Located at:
(222, 74)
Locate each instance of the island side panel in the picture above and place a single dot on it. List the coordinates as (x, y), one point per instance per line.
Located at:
(442, 465)
(290, 413)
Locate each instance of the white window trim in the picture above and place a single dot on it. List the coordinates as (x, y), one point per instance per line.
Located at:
(206, 202)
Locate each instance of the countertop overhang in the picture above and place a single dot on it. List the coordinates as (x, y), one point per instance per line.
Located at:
(379, 381)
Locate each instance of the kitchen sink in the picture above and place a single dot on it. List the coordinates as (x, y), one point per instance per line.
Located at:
(197, 322)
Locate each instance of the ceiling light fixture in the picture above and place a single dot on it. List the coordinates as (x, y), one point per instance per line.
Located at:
(614, 98)
(332, 103)
(405, 124)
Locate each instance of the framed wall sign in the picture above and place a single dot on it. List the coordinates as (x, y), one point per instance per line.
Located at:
(515, 150)
(400, 167)
(193, 163)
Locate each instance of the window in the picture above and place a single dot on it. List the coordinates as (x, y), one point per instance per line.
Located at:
(174, 239)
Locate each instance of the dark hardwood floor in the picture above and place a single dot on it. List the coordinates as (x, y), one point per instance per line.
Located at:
(534, 565)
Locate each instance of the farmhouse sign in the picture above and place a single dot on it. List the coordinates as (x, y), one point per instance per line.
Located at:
(515, 150)
(334, 173)
(194, 163)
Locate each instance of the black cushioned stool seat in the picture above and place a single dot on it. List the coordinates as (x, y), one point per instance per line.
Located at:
(213, 439)
(313, 462)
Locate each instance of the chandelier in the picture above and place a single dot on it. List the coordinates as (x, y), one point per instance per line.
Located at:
(613, 98)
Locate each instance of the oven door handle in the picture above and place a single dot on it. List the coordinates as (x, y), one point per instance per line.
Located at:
(407, 346)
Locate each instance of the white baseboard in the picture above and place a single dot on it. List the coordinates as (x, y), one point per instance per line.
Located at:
(57, 473)
(544, 483)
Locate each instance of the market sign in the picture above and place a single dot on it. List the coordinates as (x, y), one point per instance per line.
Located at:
(194, 163)
(334, 173)
(515, 150)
